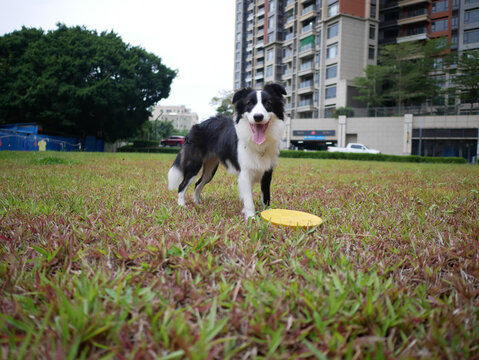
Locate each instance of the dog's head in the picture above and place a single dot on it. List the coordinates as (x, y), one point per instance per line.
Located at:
(259, 108)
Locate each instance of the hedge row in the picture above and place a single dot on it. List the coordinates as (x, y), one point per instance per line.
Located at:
(322, 155)
(369, 157)
(156, 149)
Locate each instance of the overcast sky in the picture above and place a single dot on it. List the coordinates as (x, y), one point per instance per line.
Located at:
(193, 36)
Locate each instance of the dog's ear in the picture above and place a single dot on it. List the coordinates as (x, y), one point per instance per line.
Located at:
(275, 88)
(240, 94)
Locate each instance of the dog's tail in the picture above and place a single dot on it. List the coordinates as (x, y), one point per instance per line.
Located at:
(175, 175)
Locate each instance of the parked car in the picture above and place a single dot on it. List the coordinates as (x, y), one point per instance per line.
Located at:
(173, 141)
(353, 148)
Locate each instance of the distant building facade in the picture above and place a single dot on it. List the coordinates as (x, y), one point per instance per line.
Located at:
(181, 117)
(315, 48)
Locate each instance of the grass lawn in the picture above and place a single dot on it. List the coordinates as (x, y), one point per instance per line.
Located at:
(98, 262)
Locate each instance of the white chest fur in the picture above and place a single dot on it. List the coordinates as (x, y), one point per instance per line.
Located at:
(255, 157)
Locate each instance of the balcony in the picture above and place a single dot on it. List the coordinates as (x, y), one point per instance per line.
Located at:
(288, 55)
(306, 87)
(307, 28)
(308, 12)
(412, 17)
(415, 37)
(289, 21)
(288, 73)
(306, 49)
(305, 105)
(289, 36)
(405, 3)
(306, 68)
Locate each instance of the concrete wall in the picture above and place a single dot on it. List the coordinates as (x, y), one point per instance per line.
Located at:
(385, 134)
(390, 135)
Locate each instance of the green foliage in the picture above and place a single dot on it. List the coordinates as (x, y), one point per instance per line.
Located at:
(145, 143)
(369, 157)
(371, 86)
(349, 112)
(402, 74)
(148, 149)
(467, 77)
(164, 128)
(223, 103)
(155, 130)
(76, 81)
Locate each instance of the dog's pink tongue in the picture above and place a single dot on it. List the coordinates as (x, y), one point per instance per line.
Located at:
(259, 131)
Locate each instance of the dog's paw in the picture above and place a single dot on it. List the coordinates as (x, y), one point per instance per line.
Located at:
(248, 213)
(197, 200)
(181, 200)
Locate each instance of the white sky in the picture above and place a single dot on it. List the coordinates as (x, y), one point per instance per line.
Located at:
(193, 36)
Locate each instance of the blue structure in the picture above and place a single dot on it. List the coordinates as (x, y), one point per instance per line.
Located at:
(25, 137)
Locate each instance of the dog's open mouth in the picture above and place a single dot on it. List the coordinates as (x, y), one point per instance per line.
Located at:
(259, 131)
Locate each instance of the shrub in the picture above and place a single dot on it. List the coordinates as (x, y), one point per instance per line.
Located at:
(145, 143)
(369, 157)
(133, 148)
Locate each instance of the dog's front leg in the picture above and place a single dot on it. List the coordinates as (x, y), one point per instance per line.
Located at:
(245, 186)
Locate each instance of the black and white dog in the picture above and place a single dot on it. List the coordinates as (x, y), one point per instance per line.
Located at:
(248, 146)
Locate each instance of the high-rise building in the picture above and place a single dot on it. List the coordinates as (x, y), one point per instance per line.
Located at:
(411, 20)
(468, 24)
(314, 48)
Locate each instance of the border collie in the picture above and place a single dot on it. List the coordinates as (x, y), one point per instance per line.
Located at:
(247, 145)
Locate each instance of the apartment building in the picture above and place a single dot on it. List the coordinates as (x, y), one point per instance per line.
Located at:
(468, 21)
(411, 20)
(181, 117)
(315, 48)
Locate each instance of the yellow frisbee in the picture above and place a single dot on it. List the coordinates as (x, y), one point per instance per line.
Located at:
(291, 218)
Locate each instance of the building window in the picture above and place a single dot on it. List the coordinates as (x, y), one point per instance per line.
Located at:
(371, 52)
(333, 8)
(271, 22)
(269, 71)
(454, 22)
(471, 16)
(440, 25)
(271, 6)
(331, 92)
(329, 111)
(333, 30)
(372, 32)
(372, 9)
(270, 55)
(332, 51)
(440, 6)
(471, 36)
(471, 1)
(332, 71)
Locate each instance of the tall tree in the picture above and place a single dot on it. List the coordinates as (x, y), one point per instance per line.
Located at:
(402, 74)
(467, 77)
(79, 82)
(223, 103)
(371, 86)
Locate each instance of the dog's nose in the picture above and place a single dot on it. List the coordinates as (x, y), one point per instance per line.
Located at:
(258, 117)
